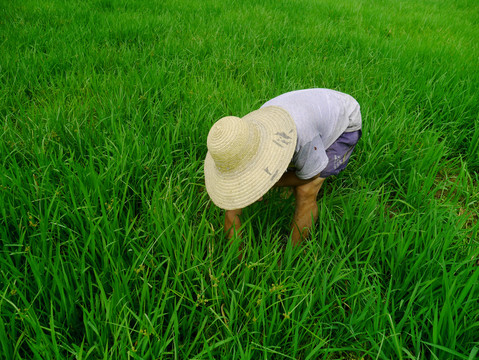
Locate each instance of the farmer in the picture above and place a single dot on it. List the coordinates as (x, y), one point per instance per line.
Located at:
(297, 139)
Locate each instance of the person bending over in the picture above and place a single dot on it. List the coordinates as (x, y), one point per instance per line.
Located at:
(297, 139)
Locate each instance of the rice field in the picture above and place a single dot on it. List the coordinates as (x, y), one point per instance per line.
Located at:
(110, 245)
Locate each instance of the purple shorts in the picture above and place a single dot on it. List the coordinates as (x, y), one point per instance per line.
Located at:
(339, 153)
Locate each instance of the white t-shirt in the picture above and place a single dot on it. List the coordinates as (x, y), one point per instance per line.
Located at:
(321, 116)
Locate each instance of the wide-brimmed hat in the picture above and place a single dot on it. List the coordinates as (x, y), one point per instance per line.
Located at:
(247, 156)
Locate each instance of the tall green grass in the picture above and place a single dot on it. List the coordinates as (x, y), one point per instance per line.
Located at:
(110, 245)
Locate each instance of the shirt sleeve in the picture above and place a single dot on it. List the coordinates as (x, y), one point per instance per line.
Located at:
(310, 159)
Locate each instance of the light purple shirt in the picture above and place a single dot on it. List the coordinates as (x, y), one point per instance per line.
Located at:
(321, 116)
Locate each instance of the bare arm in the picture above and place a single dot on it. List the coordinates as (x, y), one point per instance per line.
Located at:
(232, 222)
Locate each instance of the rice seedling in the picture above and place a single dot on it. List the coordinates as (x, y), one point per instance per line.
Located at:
(110, 246)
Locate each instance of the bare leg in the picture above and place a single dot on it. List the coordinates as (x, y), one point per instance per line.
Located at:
(306, 211)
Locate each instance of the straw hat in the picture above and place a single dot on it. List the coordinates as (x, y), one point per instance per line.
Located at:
(247, 156)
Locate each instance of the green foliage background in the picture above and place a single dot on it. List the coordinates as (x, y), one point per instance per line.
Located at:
(110, 246)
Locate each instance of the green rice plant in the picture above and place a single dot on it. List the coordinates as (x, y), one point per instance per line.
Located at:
(110, 245)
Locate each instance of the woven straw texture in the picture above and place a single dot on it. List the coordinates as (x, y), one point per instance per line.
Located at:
(247, 156)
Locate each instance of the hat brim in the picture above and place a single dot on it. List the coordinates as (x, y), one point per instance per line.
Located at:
(236, 190)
